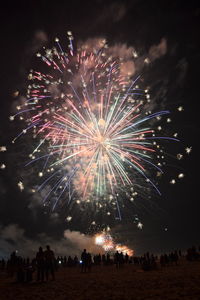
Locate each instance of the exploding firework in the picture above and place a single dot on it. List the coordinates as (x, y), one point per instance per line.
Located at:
(105, 240)
(88, 114)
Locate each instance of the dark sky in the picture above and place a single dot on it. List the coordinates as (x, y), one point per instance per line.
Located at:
(174, 77)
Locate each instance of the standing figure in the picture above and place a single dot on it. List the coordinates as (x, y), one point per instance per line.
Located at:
(84, 261)
(40, 264)
(49, 263)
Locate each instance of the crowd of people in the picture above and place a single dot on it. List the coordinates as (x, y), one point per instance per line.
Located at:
(45, 264)
(193, 254)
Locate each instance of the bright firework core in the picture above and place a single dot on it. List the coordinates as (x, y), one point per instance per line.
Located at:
(99, 240)
(105, 240)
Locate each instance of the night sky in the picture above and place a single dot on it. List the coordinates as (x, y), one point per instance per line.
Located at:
(172, 221)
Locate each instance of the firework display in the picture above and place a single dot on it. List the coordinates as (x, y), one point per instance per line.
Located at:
(105, 240)
(93, 133)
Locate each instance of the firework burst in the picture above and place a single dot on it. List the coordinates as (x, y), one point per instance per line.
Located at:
(88, 113)
(105, 240)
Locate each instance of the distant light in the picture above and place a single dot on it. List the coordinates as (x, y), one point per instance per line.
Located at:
(59, 262)
(147, 60)
(188, 149)
(21, 186)
(181, 175)
(180, 108)
(15, 94)
(3, 148)
(140, 225)
(179, 156)
(80, 261)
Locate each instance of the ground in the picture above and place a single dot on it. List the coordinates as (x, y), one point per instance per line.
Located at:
(109, 283)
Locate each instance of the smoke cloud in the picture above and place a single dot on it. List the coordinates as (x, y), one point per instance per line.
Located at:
(39, 39)
(13, 237)
(156, 51)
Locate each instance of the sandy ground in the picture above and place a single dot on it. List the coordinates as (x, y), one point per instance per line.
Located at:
(106, 282)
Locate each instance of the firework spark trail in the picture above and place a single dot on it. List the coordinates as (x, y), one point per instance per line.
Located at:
(105, 240)
(89, 118)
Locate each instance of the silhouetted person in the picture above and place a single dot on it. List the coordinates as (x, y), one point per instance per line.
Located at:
(162, 261)
(89, 261)
(175, 257)
(153, 262)
(108, 259)
(166, 258)
(99, 259)
(28, 270)
(65, 261)
(40, 260)
(69, 262)
(121, 259)
(126, 258)
(20, 274)
(103, 259)
(13, 263)
(84, 261)
(117, 259)
(75, 260)
(49, 263)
